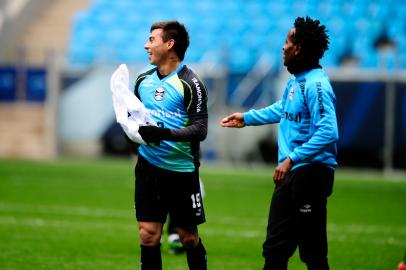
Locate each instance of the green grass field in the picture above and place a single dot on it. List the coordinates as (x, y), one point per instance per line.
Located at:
(79, 215)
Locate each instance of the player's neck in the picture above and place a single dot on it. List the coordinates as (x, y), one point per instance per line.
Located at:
(302, 65)
(169, 66)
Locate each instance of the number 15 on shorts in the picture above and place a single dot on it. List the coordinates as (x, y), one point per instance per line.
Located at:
(196, 203)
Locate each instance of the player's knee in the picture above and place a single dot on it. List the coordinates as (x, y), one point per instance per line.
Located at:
(149, 237)
(189, 241)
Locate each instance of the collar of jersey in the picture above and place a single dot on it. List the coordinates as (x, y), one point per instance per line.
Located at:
(171, 74)
(306, 72)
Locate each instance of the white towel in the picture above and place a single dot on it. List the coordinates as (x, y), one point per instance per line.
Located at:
(129, 110)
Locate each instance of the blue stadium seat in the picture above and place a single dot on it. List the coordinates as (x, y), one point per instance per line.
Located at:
(328, 60)
(194, 55)
(131, 53)
(241, 60)
(373, 28)
(368, 58)
(275, 9)
(81, 55)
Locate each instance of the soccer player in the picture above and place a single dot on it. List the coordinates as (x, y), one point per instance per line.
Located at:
(307, 151)
(167, 170)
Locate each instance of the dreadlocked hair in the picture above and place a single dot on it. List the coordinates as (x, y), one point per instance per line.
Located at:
(312, 38)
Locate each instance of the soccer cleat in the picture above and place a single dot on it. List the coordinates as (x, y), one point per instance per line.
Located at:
(175, 246)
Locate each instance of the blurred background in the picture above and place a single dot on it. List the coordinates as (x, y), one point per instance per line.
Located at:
(56, 59)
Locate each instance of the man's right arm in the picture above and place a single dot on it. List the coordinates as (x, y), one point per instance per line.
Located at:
(268, 115)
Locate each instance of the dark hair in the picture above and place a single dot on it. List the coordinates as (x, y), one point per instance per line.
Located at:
(176, 31)
(312, 38)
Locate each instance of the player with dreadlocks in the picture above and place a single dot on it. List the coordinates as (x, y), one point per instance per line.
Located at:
(307, 151)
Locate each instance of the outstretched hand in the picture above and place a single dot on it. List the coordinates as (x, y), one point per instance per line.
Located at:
(235, 120)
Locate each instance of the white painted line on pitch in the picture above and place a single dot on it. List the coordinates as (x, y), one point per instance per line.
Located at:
(66, 210)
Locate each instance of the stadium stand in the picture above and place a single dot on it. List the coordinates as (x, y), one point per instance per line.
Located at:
(113, 31)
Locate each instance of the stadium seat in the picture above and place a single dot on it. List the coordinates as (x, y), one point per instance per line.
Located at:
(81, 55)
(368, 58)
(241, 60)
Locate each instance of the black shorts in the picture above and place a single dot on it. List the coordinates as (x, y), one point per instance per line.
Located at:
(159, 192)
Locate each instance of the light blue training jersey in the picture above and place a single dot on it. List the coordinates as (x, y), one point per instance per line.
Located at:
(308, 129)
(175, 102)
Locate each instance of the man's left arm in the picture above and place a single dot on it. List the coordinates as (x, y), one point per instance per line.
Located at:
(196, 107)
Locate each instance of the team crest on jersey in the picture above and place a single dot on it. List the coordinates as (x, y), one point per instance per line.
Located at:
(291, 92)
(159, 94)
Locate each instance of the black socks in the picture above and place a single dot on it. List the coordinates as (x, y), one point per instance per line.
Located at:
(197, 257)
(151, 258)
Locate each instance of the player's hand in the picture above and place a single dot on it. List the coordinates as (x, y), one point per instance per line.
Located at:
(281, 171)
(152, 134)
(235, 120)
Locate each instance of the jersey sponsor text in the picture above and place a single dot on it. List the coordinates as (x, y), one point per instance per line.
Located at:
(199, 95)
